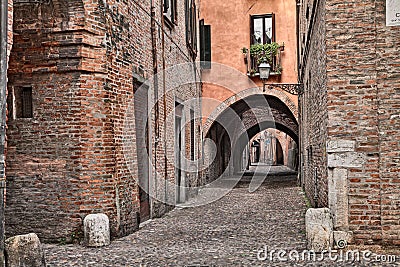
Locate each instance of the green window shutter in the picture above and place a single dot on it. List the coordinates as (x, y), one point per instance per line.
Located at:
(205, 45)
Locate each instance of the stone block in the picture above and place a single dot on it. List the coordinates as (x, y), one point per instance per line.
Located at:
(342, 238)
(319, 229)
(346, 160)
(24, 250)
(334, 146)
(96, 230)
(338, 197)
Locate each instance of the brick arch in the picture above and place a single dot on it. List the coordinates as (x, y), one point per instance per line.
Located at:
(244, 94)
(241, 116)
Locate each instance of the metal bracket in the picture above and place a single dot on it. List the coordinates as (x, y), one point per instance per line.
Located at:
(291, 88)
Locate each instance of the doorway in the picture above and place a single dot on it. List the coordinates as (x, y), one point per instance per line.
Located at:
(179, 144)
(143, 149)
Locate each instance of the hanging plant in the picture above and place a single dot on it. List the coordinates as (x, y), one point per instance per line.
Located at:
(264, 52)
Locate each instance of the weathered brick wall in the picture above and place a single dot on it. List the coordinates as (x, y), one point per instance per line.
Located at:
(43, 180)
(352, 105)
(83, 62)
(388, 87)
(362, 119)
(313, 104)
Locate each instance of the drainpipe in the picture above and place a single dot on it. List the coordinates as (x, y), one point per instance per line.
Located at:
(153, 31)
(316, 192)
(3, 93)
(164, 102)
(299, 99)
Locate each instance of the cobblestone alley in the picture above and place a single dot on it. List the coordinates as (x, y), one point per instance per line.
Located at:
(227, 232)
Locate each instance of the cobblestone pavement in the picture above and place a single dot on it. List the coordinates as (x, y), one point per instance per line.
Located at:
(227, 232)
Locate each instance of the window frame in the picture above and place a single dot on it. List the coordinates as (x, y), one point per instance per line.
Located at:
(26, 102)
(20, 102)
(170, 12)
(263, 16)
(191, 26)
(205, 45)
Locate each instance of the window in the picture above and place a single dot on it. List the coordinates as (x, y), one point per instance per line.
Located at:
(191, 33)
(26, 101)
(205, 45)
(262, 29)
(192, 135)
(19, 102)
(170, 12)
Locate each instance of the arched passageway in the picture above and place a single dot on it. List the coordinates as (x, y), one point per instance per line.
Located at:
(267, 147)
(229, 136)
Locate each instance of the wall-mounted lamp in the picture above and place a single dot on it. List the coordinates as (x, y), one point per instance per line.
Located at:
(264, 71)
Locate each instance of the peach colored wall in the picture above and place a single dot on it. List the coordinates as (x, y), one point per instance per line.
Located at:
(230, 31)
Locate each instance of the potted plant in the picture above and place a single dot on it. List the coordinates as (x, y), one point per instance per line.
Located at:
(264, 53)
(245, 51)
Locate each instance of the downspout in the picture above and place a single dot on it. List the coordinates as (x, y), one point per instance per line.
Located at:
(299, 99)
(155, 85)
(3, 101)
(164, 103)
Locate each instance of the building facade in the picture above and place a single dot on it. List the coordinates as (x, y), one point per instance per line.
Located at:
(80, 72)
(349, 115)
(232, 82)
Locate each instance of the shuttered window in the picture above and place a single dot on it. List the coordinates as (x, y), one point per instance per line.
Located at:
(205, 45)
(191, 30)
(170, 12)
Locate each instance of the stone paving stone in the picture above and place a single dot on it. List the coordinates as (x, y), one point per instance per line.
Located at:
(227, 232)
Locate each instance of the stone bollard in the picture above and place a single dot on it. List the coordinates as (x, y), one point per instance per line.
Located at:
(319, 229)
(24, 250)
(96, 230)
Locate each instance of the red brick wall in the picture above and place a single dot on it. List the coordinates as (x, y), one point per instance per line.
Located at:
(81, 57)
(43, 166)
(362, 109)
(388, 84)
(313, 104)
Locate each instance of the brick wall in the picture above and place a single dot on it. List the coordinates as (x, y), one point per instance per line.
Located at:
(352, 105)
(388, 84)
(313, 104)
(43, 180)
(83, 61)
(361, 141)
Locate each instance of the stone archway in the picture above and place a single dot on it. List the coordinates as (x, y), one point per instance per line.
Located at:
(243, 95)
(241, 117)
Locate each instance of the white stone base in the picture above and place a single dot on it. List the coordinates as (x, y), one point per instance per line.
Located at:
(96, 230)
(319, 229)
